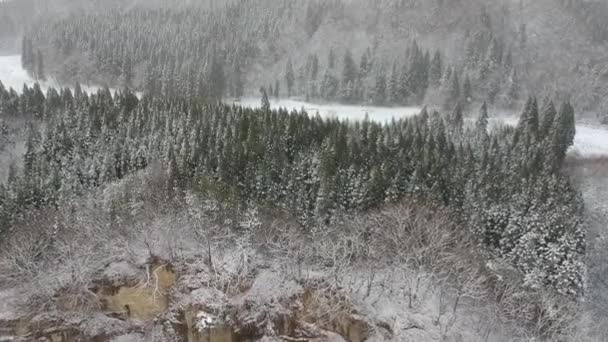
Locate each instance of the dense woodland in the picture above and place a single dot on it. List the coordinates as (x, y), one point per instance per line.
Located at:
(207, 52)
(383, 52)
(177, 63)
(505, 184)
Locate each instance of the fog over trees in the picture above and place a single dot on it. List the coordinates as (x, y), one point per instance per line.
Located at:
(162, 209)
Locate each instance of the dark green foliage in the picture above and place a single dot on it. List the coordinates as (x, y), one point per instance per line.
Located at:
(504, 184)
(265, 102)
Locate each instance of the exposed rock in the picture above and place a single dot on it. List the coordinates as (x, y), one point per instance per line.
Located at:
(141, 301)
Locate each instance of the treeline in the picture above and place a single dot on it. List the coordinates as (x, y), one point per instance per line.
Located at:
(369, 80)
(226, 51)
(505, 184)
(189, 51)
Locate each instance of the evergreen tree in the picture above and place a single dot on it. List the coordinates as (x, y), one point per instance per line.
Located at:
(40, 72)
(127, 72)
(239, 85)
(454, 90)
(217, 78)
(467, 91)
(436, 70)
(393, 86)
(481, 124)
(380, 88)
(265, 101)
(349, 71)
(331, 59)
(289, 77)
(563, 132)
(276, 89)
(548, 114)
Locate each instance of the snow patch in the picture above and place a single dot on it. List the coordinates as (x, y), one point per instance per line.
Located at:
(12, 75)
(204, 321)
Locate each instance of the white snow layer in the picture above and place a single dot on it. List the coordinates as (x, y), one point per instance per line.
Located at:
(12, 75)
(590, 140)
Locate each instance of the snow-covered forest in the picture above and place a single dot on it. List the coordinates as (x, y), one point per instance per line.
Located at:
(283, 170)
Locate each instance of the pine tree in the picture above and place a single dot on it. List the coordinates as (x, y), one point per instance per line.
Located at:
(276, 89)
(289, 77)
(548, 114)
(314, 67)
(453, 95)
(435, 70)
(563, 133)
(467, 91)
(457, 119)
(380, 88)
(393, 86)
(24, 53)
(527, 127)
(265, 101)
(127, 72)
(239, 85)
(513, 91)
(331, 59)
(481, 124)
(365, 63)
(217, 79)
(349, 71)
(40, 72)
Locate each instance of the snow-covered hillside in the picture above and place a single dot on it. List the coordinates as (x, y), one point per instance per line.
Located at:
(589, 141)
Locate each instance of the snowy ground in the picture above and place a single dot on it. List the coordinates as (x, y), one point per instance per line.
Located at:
(590, 140)
(12, 75)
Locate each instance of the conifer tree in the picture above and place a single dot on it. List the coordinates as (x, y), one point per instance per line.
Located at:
(289, 77)
(481, 124)
(127, 72)
(380, 88)
(265, 102)
(217, 78)
(467, 91)
(349, 71)
(276, 89)
(548, 114)
(453, 95)
(40, 72)
(435, 70)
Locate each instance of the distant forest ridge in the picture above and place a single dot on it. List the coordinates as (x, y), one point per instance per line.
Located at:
(381, 52)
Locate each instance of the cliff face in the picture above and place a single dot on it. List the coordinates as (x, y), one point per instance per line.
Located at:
(132, 303)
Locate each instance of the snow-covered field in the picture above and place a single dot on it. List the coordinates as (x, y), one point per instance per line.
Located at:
(12, 75)
(590, 140)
